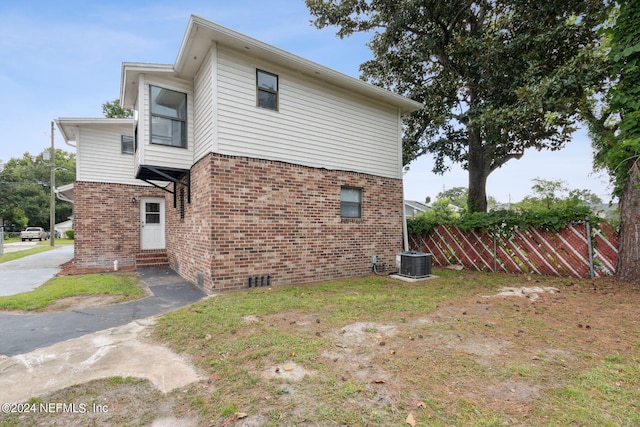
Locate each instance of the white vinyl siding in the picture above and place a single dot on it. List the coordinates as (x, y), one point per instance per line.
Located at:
(162, 155)
(99, 157)
(205, 108)
(316, 125)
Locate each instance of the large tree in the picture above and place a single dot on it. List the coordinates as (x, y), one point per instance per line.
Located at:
(615, 130)
(496, 76)
(25, 189)
(113, 110)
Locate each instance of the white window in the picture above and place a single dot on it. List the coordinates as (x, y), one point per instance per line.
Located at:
(267, 90)
(168, 117)
(350, 202)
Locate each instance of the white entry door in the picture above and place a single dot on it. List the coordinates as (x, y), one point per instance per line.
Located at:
(152, 223)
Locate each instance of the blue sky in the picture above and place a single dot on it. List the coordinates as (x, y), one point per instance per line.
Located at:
(63, 59)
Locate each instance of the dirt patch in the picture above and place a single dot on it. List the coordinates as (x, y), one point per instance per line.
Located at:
(80, 302)
(287, 371)
(109, 402)
(531, 292)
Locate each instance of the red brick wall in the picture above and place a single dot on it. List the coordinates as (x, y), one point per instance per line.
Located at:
(107, 224)
(251, 217)
(189, 239)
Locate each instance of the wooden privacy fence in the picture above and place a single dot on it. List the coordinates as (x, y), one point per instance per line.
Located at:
(563, 253)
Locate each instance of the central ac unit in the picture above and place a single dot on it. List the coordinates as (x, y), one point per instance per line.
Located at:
(414, 264)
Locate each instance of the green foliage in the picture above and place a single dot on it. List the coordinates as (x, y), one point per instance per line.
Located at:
(548, 194)
(25, 189)
(503, 221)
(70, 234)
(457, 196)
(614, 123)
(496, 78)
(551, 207)
(113, 110)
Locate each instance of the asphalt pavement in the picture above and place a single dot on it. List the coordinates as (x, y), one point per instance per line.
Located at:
(22, 333)
(43, 352)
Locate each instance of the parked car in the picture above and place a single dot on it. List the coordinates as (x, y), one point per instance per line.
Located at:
(31, 233)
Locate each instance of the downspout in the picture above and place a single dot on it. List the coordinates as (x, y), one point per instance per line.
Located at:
(405, 233)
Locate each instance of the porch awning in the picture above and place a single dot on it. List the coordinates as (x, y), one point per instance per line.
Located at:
(149, 173)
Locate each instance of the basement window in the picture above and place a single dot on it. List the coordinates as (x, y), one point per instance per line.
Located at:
(350, 202)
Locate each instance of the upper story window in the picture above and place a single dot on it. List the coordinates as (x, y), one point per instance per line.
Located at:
(168, 117)
(267, 87)
(126, 144)
(350, 202)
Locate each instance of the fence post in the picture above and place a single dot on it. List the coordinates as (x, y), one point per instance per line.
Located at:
(590, 248)
(495, 252)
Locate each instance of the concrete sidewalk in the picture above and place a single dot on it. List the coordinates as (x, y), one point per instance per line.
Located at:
(120, 351)
(26, 274)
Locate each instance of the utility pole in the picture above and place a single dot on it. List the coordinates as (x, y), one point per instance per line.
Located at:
(52, 206)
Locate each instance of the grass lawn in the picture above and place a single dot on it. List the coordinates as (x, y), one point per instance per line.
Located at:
(443, 352)
(10, 256)
(457, 350)
(121, 285)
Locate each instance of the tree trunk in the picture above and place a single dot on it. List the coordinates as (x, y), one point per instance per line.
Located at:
(478, 173)
(628, 268)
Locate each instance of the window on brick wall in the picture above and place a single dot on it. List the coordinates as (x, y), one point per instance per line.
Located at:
(350, 202)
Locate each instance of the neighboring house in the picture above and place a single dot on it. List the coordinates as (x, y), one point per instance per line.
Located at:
(245, 164)
(65, 192)
(413, 208)
(63, 226)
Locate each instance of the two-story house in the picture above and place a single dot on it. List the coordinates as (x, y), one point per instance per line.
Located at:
(245, 164)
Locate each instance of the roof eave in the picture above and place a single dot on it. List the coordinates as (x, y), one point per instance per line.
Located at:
(67, 125)
(130, 76)
(201, 33)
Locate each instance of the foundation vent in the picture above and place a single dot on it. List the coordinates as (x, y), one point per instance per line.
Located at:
(258, 281)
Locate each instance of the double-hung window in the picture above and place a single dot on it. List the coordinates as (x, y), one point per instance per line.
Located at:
(350, 202)
(168, 117)
(267, 88)
(126, 144)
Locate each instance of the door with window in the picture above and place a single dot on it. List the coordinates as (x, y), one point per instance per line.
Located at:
(152, 223)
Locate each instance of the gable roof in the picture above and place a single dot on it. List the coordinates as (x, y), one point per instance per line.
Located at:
(416, 205)
(201, 33)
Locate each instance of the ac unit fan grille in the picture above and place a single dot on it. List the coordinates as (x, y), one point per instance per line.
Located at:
(415, 264)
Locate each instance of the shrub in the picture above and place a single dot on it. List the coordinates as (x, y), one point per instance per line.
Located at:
(504, 221)
(69, 234)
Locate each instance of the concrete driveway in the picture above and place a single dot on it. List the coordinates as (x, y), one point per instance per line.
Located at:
(26, 274)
